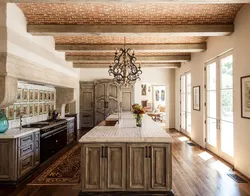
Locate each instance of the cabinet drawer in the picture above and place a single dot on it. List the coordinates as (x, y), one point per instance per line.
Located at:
(25, 164)
(26, 139)
(26, 149)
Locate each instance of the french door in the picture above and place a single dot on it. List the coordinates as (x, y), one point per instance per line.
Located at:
(219, 106)
(185, 104)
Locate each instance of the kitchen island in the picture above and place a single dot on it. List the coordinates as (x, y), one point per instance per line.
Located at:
(131, 159)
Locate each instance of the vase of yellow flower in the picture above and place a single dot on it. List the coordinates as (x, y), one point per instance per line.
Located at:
(138, 112)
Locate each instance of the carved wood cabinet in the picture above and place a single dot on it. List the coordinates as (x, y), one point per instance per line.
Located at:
(126, 167)
(19, 156)
(87, 104)
(100, 98)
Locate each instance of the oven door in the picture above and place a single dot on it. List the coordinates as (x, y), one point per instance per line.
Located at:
(53, 143)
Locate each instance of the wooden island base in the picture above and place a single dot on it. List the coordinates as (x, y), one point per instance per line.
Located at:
(126, 161)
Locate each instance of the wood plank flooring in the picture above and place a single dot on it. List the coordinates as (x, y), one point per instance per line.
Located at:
(192, 176)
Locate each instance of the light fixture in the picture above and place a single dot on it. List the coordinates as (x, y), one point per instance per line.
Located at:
(124, 69)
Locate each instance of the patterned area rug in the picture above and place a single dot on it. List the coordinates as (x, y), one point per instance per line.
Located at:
(65, 171)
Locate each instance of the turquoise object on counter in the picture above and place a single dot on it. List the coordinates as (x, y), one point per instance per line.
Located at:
(4, 123)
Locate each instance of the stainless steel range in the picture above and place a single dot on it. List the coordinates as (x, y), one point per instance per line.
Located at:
(53, 137)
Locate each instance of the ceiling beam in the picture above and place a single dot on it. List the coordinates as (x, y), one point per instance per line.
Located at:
(136, 30)
(200, 47)
(163, 65)
(173, 58)
(131, 1)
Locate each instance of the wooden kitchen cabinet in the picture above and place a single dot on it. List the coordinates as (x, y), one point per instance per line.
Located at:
(87, 104)
(19, 156)
(103, 167)
(149, 167)
(115, 167)
(70, 131)
(92, 167)
(107, 99)
(160, 170)
(137, 167)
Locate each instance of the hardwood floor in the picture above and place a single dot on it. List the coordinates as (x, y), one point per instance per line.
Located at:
(195, 173)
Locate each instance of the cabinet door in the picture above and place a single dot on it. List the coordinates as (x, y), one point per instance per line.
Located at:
(160, 167)
(137, 168)
(127, 98)
(87, 102)
(115, 167)
(112, 99)
(92, 163)
(100, 102)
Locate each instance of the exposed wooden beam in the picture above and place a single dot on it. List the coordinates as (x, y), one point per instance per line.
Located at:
(173, 58)
(137, 47)
(125, 30)
(130, 1)
(163, 65)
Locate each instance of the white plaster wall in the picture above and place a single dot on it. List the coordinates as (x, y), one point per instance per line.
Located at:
(150, 76)
(240, 42)
(38, 49)
(3, 30)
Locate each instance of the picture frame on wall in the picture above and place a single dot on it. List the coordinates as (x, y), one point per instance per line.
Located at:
(19, 95)
(40, 109)
(143, 89)
(24, 110)
(11, 112)
(35, 109)
(245, 96)
(35, 95)
(40, 96)
(45, 108)
(31, 110)
(31, 95)
(17, 111)
(45, 95)
(196, 98)
(52, 95)
(25, 95)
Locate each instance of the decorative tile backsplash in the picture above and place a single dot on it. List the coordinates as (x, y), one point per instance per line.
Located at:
(34, 103)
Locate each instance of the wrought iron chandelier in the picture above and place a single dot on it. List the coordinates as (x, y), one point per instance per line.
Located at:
(124, 69)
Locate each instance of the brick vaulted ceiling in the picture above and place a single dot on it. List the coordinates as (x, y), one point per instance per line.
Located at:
(149, 14)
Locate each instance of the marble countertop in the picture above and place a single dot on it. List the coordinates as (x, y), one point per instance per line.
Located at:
(149, 132)
(16, 132)
(68, 118)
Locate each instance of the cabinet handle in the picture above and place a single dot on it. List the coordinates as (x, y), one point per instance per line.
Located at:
(102, 152)
(146, 149)
(149, 151)
(26, 139)
(24, 150)
(106, 152)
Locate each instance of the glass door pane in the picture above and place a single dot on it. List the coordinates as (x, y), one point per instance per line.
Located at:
(183, 102)
(226, 106)
(211, 105)
(188, 102)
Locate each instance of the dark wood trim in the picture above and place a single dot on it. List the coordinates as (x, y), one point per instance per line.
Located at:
(128, 193)
(199, 97)
(241, 78)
